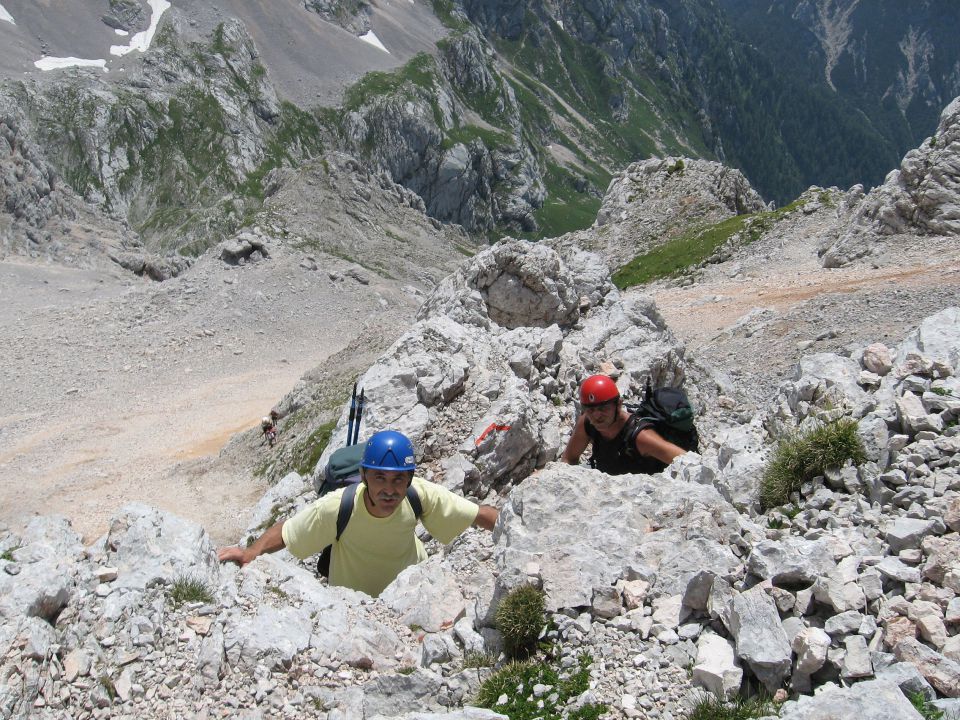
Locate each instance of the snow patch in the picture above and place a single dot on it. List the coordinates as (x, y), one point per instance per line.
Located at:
(371, 37)
(141, 41)
(118, 31)
(54, 63)
(4, 15)
(560, 24)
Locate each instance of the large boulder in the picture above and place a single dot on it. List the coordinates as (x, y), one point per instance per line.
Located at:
(584, 531)
(150, 546)
(873, 699)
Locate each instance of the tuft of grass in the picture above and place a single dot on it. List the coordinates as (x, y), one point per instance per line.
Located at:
(791, 511)
(711, 707)
(107, 683)
(476, 659)
(520, 618)
(515, 680)
(923, 706)
(8, 553)
(803, 456)
(279, 592)
(187, 589)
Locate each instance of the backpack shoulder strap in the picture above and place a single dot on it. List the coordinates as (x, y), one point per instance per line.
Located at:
(635, 424)
(414, 499)
(346, 508)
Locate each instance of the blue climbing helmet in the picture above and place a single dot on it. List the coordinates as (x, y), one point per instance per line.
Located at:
(389, 450)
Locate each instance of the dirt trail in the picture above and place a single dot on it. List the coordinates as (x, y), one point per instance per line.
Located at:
(698, 312)
(117, 390)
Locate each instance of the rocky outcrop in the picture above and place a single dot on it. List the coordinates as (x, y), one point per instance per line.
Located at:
(160, 149)
(351, 15)
(651, 573)
(485, 378)
(922, 196)
(656, 200)
(477, 171)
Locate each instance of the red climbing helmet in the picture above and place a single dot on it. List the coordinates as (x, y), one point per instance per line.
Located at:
(598, 389)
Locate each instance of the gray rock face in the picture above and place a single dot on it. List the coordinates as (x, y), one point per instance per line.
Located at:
(937, 338)
(791, 560)
(875, 699)
(716, 667)
(761, 641)
(941, 672)
(351, 15)
(273, 635)
(921, 196)
(148, 546)
(654, 199)
(426, 596)
(45, 571)
(663, 530)
(511, 284)
(469, 181)
(117, 144)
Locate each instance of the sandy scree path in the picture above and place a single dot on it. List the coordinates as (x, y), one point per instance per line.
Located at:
(104, 403)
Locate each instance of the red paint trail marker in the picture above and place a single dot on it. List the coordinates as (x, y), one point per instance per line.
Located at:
(490, 429)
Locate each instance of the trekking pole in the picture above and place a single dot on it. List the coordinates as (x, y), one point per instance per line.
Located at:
(356, 430)
(353, 410)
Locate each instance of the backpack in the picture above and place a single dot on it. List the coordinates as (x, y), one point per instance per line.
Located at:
(343, 517)
(668, 411)
(343, 469)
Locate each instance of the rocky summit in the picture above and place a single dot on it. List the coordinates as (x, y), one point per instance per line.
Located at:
(848, 596)
(168, 234)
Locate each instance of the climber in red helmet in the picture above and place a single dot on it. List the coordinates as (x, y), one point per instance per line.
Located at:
(620, 443)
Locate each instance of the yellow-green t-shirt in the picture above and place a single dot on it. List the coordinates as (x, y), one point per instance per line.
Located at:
(372, 551)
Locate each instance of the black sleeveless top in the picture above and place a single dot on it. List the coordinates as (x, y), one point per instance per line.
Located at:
(619, 455)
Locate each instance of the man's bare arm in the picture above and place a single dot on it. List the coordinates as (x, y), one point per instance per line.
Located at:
(576, 444)
(649, 442)
(486, 517)
(269, 542)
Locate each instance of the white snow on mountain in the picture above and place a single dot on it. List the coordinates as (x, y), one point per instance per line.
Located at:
(141, 41)
(4, 15)
(54, 63)
(371, 37)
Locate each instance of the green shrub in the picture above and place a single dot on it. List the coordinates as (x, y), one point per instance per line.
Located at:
(186, 589)
(803, 456)
(923, 706)
(516, 680)
(711, 707)
(520, 618)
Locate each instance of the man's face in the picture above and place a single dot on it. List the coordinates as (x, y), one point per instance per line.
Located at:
(386, 489)
(603, 414)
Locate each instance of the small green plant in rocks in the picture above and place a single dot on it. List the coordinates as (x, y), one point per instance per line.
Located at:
(923, 706)
(711, 707)
(803, 456)
(187, 589)
(524, 690)
(8, 553)
(520, 619)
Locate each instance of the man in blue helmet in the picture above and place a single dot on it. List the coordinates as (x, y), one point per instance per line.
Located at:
(379, 540)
